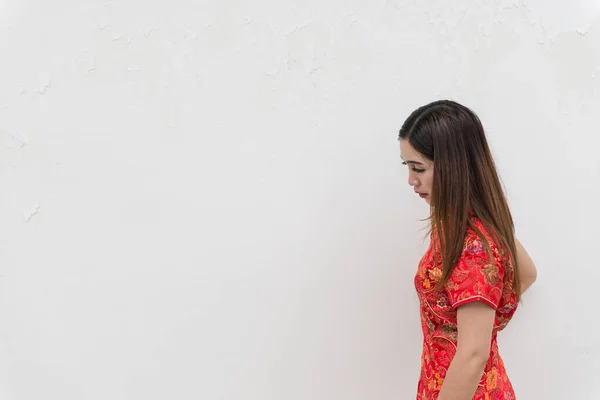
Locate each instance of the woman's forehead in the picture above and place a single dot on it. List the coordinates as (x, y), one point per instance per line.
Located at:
(409, 155)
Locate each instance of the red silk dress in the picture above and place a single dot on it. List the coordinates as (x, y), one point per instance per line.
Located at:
(475, 278)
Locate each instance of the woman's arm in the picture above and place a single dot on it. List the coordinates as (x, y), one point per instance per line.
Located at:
(527, 270)
(475, 322)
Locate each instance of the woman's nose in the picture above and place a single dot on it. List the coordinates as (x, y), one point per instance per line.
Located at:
(412, 181)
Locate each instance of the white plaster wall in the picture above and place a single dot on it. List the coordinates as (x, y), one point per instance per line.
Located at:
(204, 200)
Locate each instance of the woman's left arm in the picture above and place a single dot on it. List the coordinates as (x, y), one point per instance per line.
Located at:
(475, 322)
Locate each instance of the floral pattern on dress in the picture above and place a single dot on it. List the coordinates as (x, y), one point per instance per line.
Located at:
(476, 277)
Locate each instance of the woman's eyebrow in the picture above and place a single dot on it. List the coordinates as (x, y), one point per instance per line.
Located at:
(412, 162)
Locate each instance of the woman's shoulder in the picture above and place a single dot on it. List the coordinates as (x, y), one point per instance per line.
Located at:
(476, 224)
(477, 234)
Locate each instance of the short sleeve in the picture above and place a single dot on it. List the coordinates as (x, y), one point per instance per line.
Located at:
(476, 277)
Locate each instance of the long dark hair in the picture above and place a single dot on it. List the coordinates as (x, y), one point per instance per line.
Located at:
(465, 180)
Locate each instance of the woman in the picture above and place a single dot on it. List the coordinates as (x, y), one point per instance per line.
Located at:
(470, 280)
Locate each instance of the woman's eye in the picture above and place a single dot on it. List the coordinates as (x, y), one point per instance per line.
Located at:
(417, 170)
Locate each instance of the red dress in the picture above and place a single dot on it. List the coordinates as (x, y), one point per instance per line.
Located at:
(475, 278)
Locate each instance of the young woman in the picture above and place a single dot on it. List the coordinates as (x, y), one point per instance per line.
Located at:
(470, 280)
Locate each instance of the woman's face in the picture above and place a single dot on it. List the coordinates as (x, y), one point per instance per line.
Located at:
(420, 170)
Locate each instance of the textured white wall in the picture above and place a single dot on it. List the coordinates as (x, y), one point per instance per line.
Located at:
(204, 200)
